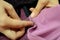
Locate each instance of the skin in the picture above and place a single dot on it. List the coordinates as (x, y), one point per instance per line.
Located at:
(38, 7)
(11, 22)
(13, 34)
(41, 4)
(52, 3)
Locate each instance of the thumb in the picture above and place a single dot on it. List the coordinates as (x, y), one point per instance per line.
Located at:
(31, 9)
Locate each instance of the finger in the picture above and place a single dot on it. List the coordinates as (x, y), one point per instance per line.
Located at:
(9, 33)
(20, 33)
(13, 23)
(2, 12)
(9, 8)
(38, 7)
(31, 9)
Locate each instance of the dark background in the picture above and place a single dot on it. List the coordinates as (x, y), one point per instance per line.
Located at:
(59, 1)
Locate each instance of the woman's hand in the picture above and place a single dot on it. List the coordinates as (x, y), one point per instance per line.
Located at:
(38, 8)
(41, 4)
(11, 21)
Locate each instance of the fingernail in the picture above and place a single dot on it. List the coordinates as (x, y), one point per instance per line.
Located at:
(30, 23)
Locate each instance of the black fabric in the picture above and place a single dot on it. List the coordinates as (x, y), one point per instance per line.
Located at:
(20, 3)
(17, 4)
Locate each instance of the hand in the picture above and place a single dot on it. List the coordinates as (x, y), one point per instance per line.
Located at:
(41, 4)
(38, 8)
(11, 21)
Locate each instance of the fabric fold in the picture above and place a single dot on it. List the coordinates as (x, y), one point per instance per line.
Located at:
(47, 25)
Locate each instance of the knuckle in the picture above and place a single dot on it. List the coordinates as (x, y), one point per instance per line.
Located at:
(10, 7)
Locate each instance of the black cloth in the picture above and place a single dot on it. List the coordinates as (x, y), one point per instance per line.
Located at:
(25, 4)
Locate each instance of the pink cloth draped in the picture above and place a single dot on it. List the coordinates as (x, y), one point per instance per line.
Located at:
(46, 25)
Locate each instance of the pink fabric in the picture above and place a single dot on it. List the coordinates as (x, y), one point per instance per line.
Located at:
(47, 25)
